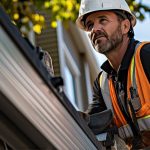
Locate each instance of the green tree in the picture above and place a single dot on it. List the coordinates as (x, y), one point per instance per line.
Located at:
(139, 9)
(24, 12)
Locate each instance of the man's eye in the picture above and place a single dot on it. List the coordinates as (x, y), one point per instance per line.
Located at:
(89, 27)
(102, 20)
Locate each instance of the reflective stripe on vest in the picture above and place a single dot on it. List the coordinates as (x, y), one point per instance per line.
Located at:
(142, 84)
(105, 90)
(126, 132)
(110, 99)
(136, 77)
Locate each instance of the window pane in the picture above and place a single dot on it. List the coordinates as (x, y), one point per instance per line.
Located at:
(70, 86)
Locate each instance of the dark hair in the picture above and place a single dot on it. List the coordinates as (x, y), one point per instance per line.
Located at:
(125, 15)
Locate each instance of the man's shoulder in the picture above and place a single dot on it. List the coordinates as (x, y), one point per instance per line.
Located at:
(146, 46)
(100, 73)
(96, 82)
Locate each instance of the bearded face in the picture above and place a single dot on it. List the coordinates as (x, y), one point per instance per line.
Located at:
(102, 42)
(104, 31)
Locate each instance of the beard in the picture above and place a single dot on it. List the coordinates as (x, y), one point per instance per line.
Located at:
(103, 43)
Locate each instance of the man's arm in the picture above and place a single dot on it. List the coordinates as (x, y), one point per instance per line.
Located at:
(145, 59)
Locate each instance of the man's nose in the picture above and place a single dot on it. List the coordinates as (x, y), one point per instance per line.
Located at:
(96, 27)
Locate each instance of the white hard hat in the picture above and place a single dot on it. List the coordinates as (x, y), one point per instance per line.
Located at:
(89, 6)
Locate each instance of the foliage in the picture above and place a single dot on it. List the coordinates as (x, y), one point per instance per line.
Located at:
(63, 10)
(24, 12)
(139, 9)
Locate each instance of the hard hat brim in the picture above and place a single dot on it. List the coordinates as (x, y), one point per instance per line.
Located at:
(80, 20)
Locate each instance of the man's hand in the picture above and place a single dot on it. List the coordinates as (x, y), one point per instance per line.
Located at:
(98, 122)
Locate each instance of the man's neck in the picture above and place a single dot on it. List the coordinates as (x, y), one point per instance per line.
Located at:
(115, 56)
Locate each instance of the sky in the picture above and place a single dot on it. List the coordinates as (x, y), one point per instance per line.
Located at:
(142, 29)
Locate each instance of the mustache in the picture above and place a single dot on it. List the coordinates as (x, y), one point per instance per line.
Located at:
(97, 34)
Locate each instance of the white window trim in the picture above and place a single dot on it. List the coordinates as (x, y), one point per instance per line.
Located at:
(64, 54)
(88, 82)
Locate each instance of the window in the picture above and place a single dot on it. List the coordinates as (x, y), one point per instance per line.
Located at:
(70, 86)
(71, 76)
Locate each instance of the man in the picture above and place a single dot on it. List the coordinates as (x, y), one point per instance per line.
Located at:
(124, 84)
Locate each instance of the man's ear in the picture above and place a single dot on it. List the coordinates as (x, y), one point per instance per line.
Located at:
(125, 26)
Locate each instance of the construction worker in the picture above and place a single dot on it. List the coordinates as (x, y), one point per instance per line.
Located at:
(123, 85)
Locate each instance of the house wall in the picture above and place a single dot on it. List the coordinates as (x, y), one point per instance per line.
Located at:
(69, 47)
(47, 40)
(73, 42)
(34, 114)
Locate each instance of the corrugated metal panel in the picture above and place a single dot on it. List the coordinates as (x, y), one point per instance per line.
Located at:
(47, 40)
(30, 95)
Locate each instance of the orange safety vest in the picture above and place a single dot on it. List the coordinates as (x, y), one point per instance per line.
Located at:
(138, 80)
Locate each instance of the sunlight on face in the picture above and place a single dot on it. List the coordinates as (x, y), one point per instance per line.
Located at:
(104, 31)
